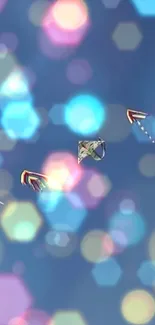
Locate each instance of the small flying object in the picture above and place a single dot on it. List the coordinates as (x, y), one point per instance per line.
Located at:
(137, 117)
(88, 148)
(36, 181)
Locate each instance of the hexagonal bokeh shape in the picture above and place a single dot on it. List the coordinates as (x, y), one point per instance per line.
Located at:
(107, 273)
(20, 120)
(14, 298)
(146, 273)
(144, 8)
(68, 317)
(111, 4)
(21, 221)
(127, 36)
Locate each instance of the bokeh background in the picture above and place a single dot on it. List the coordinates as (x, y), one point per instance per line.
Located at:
(82, 253)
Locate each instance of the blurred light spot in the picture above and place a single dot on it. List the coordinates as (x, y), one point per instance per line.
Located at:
(75, 200)
(56, 114)
(15, 86)
(147, 165)
(111, 4)
(65, 216)
(99, 186)
(17, 321)
(6, 182)
(20, 221)
(138, 307)
(61, 30)
(79, 72)
(10, 41)
(144, 8)
(116, 126)
(107, 273)
(119, 239)
(68, 317)
(132, 225)
(62, 170)
(127, 206)
(54, 51)
(37, 11)
(146, 273)
(70, 15)
(19, 120)
(61, 243)
(84, 114)
(92, 188)
(3, 51)
(127, 36)
(18, 268)
(2, 5)
(151, 246)
(36, 317)
(48, 201)
(11, 307)
(60, 239)
(96, 246)
(6, 144)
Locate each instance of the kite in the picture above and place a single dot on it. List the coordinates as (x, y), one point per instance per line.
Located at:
(88, 148)
(137, 117)
(38, 182)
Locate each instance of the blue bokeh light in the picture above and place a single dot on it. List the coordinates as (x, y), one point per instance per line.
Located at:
(146, 273)
(59, 212)
(84, 114)
(144, 8)
(107, 273)
(48, 201)
(131, 225)
(19, 120)
(15, 86)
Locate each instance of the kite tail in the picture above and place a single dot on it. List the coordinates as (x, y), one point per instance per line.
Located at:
(144, 131)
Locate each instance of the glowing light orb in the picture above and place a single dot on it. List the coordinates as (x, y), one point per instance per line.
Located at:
(70, 14)
(107, 273)
(132, 225)
(127, 206)
(48, 201)
(11, 307)
(65, 217)
(19, 120)
(92, 188)
(146, 273)
(63, 171)
(20, 221)
(84, 114)
(144, 8)
(138, 307)
(68, 317)
(66, 22)
(16, 86)
(96, 246)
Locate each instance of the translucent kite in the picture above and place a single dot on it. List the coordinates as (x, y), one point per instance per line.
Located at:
(36, 181)
(137, 117)
(87, 149)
